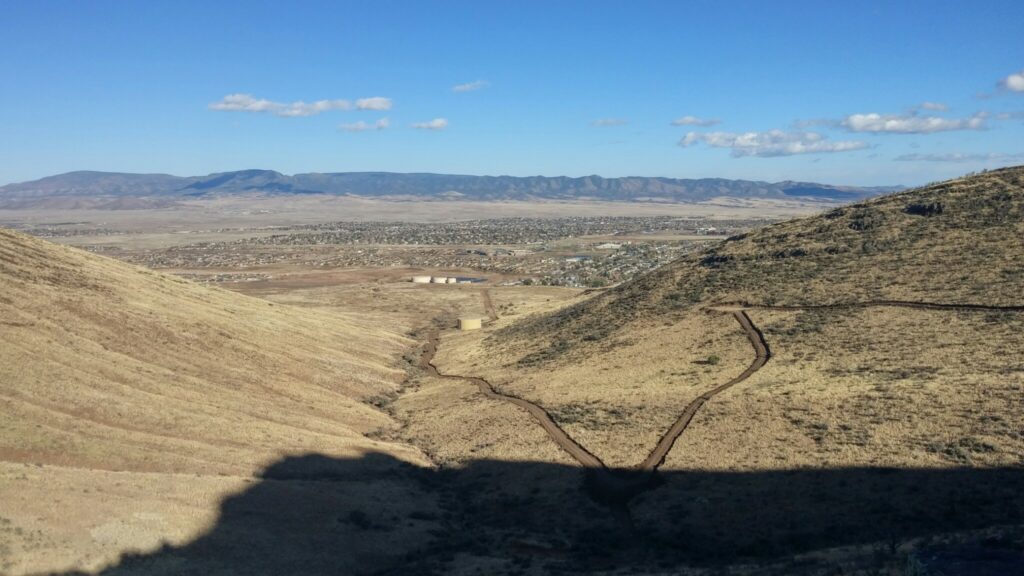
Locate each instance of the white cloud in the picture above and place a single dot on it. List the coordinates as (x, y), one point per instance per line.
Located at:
(935, 106)
(247, 103)
(375, 103)
(958, 157)
(609, 122)
(771, 143)
(244, 103)
(1014, 82)
(470, 86)
(435, 124)
(301, 108)
(910, 123)
(695, 121)
(362, 126)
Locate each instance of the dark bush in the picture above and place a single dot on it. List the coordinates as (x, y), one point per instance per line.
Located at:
(714, 260)
(865, 219)
(790, 253)
(924, 209)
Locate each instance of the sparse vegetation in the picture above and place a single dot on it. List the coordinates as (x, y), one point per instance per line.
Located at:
(870, 436)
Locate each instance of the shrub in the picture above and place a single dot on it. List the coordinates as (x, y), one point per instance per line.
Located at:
(924, 209)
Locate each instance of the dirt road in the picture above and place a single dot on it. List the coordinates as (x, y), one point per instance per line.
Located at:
(564, 441)
(489, 309)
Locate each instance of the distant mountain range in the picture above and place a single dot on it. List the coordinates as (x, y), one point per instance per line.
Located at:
(121, 190)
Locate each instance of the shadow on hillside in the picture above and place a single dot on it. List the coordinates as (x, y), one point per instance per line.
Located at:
(318, 515)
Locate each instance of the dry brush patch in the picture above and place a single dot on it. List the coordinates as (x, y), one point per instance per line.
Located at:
(878, 386)
(617, 404)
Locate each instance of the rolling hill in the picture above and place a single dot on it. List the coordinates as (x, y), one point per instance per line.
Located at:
(105, 365)
(914, 297)
(815, 358)
(957, 241)
(132, 403)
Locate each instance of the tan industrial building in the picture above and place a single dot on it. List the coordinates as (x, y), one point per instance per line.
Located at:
(470, 323)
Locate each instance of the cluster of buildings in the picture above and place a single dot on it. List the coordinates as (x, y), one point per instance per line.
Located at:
(444, 280)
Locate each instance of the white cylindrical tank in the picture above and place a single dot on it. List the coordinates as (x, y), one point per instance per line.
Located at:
(453, 280)
(438, 280)
(421, 279)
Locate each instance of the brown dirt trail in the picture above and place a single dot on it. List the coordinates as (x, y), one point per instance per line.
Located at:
(617, 487)
(877, 303)
(559, 436)
(492, 313)
(762, 354)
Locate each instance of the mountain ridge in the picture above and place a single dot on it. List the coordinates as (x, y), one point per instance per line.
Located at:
(92, 184)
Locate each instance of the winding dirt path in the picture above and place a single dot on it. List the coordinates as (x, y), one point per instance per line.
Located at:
(877, 303)
(617, 487)
(560, 437)
(761, 355)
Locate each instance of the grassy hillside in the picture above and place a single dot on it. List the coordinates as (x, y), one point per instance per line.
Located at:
(909, 414)
(109, 366)
(956, 241)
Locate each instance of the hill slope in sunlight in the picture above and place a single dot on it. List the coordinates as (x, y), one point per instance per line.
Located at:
(108, 366)
(956, 241)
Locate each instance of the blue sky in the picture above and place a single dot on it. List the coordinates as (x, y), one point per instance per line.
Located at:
(850, 93)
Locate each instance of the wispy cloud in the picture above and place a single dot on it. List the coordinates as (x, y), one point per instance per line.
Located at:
(933, 106)
(471, 86)
(244, 103)
(362, 126)
(374, 103)
(695, 121)
(957, 157)
(604, 122)
(771, 143)
(248, 103)
(435, 124)
(910, 123)
(1014, 82)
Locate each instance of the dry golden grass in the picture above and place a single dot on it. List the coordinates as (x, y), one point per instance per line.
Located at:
(58, 518)
(874, 387)
(957, 242)
(393, 303)
(454, 423)
(621, 402)
(111, 373)
(125, 395)
(110, 366)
